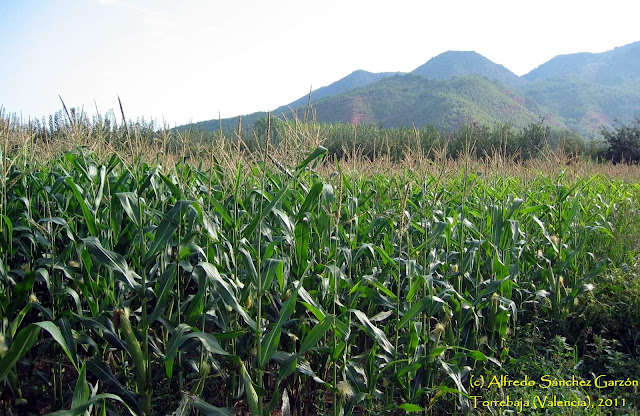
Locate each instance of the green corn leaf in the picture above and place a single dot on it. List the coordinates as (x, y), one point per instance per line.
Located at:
(311, 201)
(310, 303)
(373, 332)
(303, 237)
(407, 369)
(250, 392)
(113, 261)
(164, 231)
(320, 150)
(115, 218)
(380, 287)
(249, 229)
(411, 408)
(19, 347)
(101, 370)
(17, 321)
(182, 335)
(74, 295)
(224, 289)
(98, 398)
(105, 329)
(66, 341)
(514, 207)
(271, 340)
(89, 217)
(163, 290)
(129, 202)
(194, 312)
(81, 391)
(9, 224)
(206, 408)
(272, 268)
(566, 223)
(535, 208)
(171, 350)
(75, 161)
(287, 365)
(175, 191)
(304, 367)
(434, 303)
(316, 334)
(101, 183)
(248, 261)
(456, 377)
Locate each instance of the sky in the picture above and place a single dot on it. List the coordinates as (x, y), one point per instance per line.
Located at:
(185, 61)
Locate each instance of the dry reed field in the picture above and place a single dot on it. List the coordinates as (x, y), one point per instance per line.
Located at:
(150, 272)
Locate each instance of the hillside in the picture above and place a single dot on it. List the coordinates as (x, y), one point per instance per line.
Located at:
(613, 67)
(356, 79)
(582, 92)
(446, 104)
(586, 106)
(359, 78)
(589, 90)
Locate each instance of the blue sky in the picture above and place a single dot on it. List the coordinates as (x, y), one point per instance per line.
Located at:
(181, 61)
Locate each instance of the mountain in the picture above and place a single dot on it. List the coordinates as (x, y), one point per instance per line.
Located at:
(356, 79)
(586, 106)
(456, 63)
(582, 92)
(613, 67)
(446, 104)
(589, 90)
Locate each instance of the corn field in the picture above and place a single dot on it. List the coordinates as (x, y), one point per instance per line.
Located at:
(270, 288)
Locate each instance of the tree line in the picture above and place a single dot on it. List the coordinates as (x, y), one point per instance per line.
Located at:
(619, 144)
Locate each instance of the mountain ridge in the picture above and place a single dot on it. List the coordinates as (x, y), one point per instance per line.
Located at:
(581, 92)
(461, 63)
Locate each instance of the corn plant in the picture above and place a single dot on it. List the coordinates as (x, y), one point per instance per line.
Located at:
(256, 284)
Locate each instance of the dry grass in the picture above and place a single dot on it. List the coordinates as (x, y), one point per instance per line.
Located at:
(22, 144)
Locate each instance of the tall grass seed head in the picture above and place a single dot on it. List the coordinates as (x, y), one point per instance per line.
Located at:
(3, 346)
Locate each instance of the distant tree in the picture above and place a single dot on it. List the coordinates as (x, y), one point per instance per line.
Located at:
(271, 128)
(569, 141)
(624, 142)
(533, 139)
